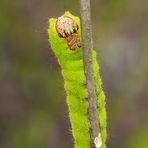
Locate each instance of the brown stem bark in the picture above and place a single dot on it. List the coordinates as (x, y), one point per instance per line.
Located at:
(89, 70)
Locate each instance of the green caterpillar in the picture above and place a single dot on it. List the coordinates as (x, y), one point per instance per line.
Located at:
(75, 85)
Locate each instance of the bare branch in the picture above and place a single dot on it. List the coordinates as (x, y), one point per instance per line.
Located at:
(89, 70)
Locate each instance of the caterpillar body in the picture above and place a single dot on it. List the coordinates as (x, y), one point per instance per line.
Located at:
(71, 64)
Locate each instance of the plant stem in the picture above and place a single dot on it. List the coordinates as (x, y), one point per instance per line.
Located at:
(89, 69)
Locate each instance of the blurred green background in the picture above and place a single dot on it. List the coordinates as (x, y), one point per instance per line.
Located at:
(33, 112)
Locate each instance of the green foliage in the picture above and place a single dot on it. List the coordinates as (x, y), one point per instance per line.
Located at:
(75, 86)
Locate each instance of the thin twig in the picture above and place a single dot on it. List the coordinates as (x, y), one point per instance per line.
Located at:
(89, 70)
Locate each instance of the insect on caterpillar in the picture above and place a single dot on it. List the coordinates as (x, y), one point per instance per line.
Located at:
(67, 28)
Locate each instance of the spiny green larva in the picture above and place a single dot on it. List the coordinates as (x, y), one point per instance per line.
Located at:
(67, 28)
(64, 30)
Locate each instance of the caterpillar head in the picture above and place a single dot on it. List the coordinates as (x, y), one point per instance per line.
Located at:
(66, 26)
